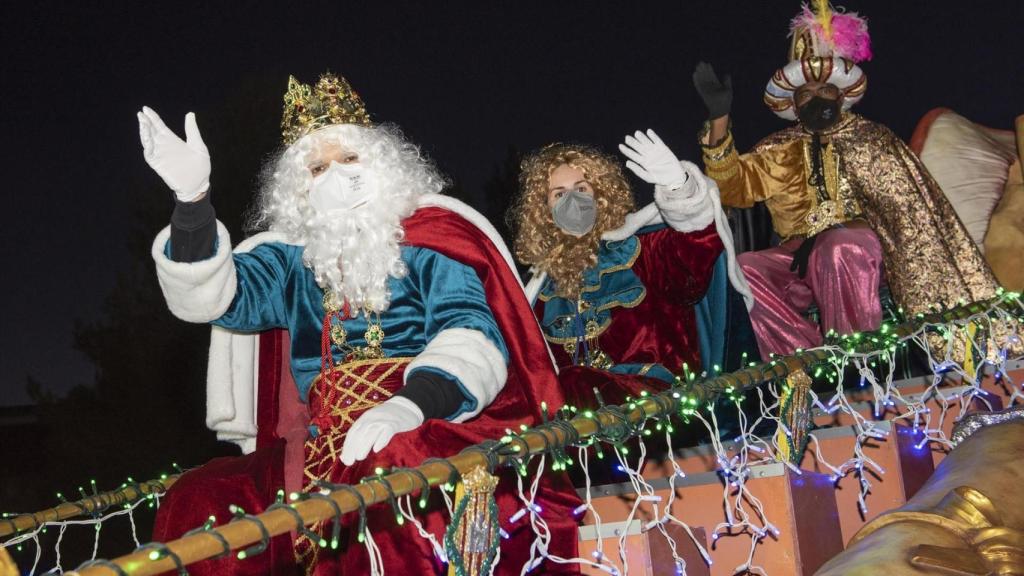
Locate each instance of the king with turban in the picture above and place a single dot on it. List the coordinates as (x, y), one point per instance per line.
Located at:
(847, 198)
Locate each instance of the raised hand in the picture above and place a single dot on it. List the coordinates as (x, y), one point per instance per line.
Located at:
(183, 164)
(717, 94)
(652, 161)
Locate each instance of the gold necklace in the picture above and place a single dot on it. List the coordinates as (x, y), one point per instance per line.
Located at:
(338, 311)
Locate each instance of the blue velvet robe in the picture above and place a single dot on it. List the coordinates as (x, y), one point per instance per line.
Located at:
(276, 290)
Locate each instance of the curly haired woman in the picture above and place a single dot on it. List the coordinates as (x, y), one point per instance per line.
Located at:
(615, 289)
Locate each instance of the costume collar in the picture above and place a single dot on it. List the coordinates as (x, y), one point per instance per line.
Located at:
(609, 284)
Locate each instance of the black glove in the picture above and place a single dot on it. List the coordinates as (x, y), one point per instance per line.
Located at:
(802, 255)
(717, 94)
(435, 395)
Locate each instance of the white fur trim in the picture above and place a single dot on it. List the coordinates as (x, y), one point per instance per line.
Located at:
(534, 285)
(230, 391)
(645, 216)
(197, 291)
(689, 208)
(736, 277)
(469, 356)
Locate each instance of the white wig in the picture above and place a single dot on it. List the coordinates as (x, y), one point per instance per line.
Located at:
(352, 255)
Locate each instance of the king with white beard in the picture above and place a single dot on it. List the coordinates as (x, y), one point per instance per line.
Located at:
(409, 333)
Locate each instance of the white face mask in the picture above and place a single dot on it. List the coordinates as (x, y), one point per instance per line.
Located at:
(342, 187)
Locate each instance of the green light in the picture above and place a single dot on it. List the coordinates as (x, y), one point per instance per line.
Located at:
(400, 520)
(524, 427)
(154, 555)
(423, 502)
(378, 470)
(242, 555)
(323, 543)
(361, 538)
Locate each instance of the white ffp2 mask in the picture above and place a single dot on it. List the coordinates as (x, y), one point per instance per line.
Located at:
(342, 187)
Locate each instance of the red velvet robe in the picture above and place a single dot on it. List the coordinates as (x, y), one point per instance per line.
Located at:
(675, 269)
(251, 481)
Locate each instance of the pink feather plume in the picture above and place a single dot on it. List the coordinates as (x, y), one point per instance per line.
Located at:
(849, 33)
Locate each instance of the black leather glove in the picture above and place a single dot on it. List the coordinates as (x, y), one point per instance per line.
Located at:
(802, 256)
(717, 94)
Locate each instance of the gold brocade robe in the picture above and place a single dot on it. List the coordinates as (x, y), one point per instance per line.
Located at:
(930, 260)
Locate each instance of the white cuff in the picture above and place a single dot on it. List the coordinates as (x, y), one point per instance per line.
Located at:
(197, 291)
(688, 208)
(472, 358)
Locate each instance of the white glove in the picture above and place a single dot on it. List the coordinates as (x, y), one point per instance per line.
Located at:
(653, 161)
(375, 428)
(183, 164)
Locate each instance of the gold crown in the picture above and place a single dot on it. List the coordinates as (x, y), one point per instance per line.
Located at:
(331, 101)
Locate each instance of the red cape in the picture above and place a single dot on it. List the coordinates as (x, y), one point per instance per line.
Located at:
(250, 481)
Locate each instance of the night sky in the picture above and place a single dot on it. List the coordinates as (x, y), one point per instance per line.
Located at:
(465, 80)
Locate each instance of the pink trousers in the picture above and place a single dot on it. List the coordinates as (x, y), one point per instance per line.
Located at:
(843, 276)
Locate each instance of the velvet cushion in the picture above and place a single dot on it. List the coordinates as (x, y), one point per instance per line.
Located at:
(970, 162)
(1004, 243)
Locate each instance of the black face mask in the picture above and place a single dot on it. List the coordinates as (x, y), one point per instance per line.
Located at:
(819, 113)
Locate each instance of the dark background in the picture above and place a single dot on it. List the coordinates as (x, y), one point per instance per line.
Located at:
(97, 380)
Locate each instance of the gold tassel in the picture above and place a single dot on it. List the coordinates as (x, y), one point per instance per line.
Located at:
(472, 539)
(796, 413)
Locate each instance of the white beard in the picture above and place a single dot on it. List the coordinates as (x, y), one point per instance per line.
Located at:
(353, 253)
